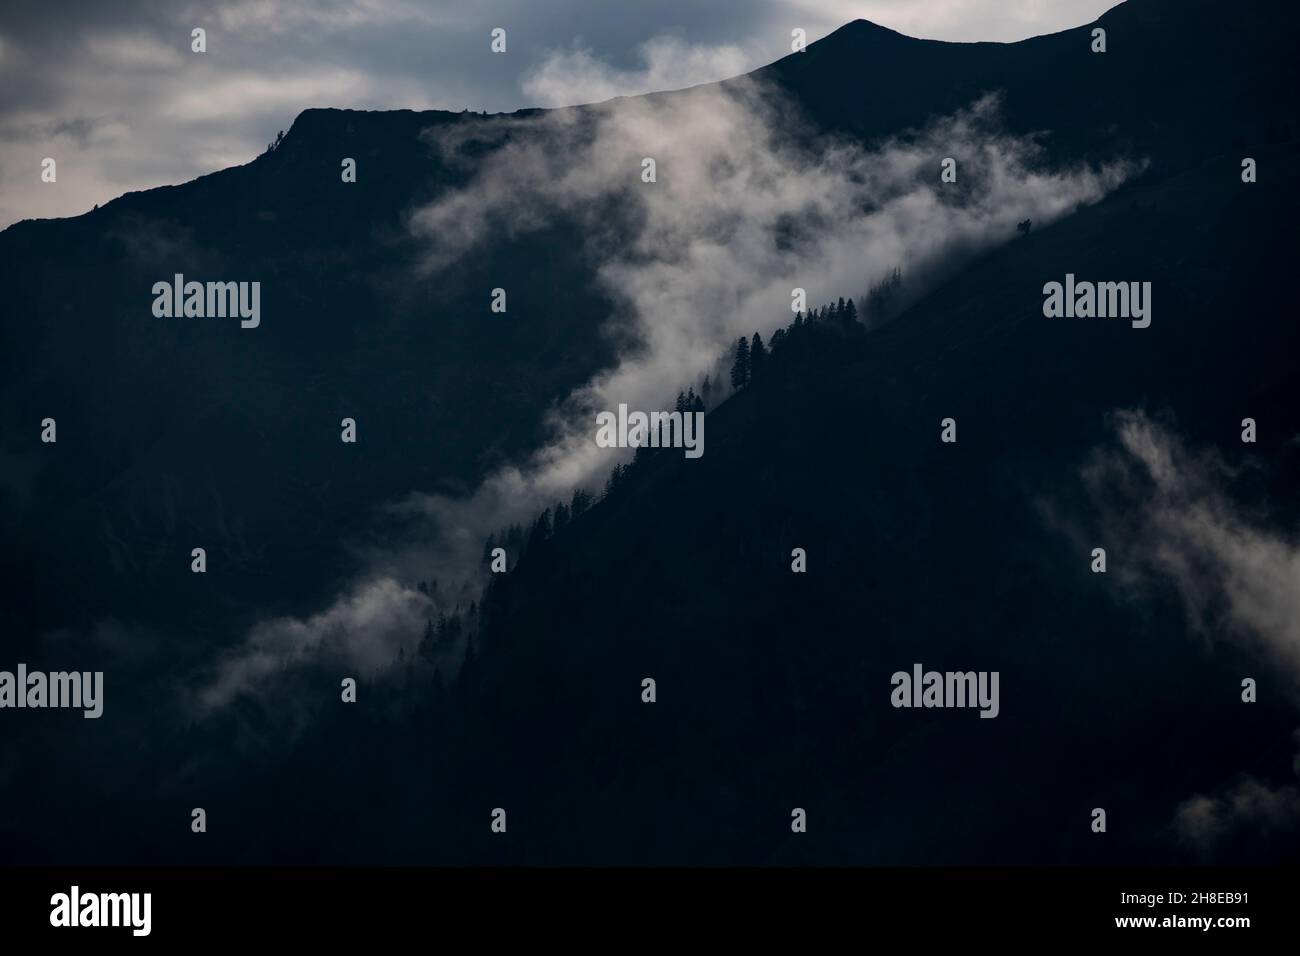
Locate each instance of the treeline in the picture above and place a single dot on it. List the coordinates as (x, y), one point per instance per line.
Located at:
(833, 334)
(751, 356)
(518, 539)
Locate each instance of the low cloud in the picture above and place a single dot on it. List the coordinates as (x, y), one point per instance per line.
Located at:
(1238, 576)
(1249, 809)
(747, 206)
(361, 632)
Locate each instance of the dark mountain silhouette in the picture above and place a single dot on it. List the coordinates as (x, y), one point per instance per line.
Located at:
(440, 396)
(772, 687)
(1176, 77)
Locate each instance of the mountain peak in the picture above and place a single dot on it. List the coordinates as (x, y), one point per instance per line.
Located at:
(859, 30)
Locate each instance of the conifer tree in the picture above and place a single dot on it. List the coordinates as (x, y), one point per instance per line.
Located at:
(740, 367)
(757, 356)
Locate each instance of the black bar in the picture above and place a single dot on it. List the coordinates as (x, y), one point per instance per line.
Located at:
(210, 905)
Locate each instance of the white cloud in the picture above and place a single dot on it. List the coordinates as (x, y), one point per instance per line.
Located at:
(1248, 806)
(134, 53)
(1238, 577)
(286, 16)
(362, 631)
(705, 261)
(230, 95)
(694, 260)
(668, 63)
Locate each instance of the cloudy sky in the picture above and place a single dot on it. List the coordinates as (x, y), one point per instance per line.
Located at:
(114, 94)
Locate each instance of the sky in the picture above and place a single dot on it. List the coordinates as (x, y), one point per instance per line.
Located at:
(115, 95)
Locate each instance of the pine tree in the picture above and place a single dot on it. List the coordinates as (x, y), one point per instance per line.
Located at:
(425, 648)
(705, 389)
(540, 531)
(580, 503)
(757, 357)
(740, 367)
(468, 677)
(615, 480)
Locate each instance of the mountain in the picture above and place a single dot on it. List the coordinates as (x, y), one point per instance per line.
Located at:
(165, 417)
(772, 687)
(1175, 76)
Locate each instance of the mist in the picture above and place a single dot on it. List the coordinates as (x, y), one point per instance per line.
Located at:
(747, 205)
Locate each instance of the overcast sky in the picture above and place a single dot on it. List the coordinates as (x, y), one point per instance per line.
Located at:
(114, 94)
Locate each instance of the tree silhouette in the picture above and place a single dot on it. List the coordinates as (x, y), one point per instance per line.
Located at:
(757, 356)
(580, 503)
(740, 367)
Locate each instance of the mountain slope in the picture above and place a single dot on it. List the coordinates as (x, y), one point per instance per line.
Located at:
(161, 419)
(773, 687)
